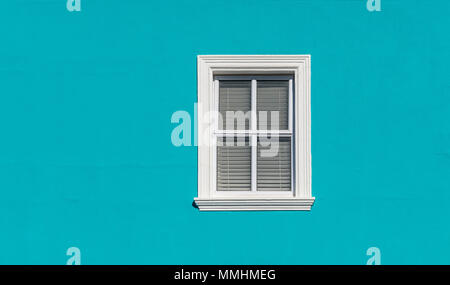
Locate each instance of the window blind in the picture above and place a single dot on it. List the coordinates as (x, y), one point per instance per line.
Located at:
(273, 95)
(274, 166)
(233, 165)
(235, 96)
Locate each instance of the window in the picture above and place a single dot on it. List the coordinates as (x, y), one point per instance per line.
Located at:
(254, 133)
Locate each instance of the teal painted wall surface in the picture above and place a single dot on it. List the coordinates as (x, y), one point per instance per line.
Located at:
(86, 158)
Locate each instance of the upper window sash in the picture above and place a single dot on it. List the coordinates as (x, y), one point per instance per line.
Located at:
(253, 120)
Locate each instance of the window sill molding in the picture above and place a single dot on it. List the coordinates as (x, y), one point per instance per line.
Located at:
(291, 204)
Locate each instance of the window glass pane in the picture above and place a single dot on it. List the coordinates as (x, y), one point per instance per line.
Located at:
(233, 164)
(274, 164)
(273, 104)
(235, 104)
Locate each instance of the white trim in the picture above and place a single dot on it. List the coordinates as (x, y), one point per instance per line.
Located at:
(297, 65)
(253, 139)
(254, 204)
(216, 122)
(290, 115)
(251, 77)
(216, 102)
(253, 105)
(250, 132)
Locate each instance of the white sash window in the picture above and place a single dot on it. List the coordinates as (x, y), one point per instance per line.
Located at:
(254, 133)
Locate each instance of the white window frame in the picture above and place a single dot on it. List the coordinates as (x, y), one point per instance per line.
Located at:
(298, 66)
(253, 133)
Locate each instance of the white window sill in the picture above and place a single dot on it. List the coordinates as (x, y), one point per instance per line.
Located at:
(291, 204)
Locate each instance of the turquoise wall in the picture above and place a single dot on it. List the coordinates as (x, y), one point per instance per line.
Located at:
(86, 158)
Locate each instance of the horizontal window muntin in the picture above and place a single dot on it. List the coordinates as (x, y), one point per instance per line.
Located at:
(240, 121)
(230, 139)
(251, 132)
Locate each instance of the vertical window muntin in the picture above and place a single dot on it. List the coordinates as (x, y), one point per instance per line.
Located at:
(253, 133)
